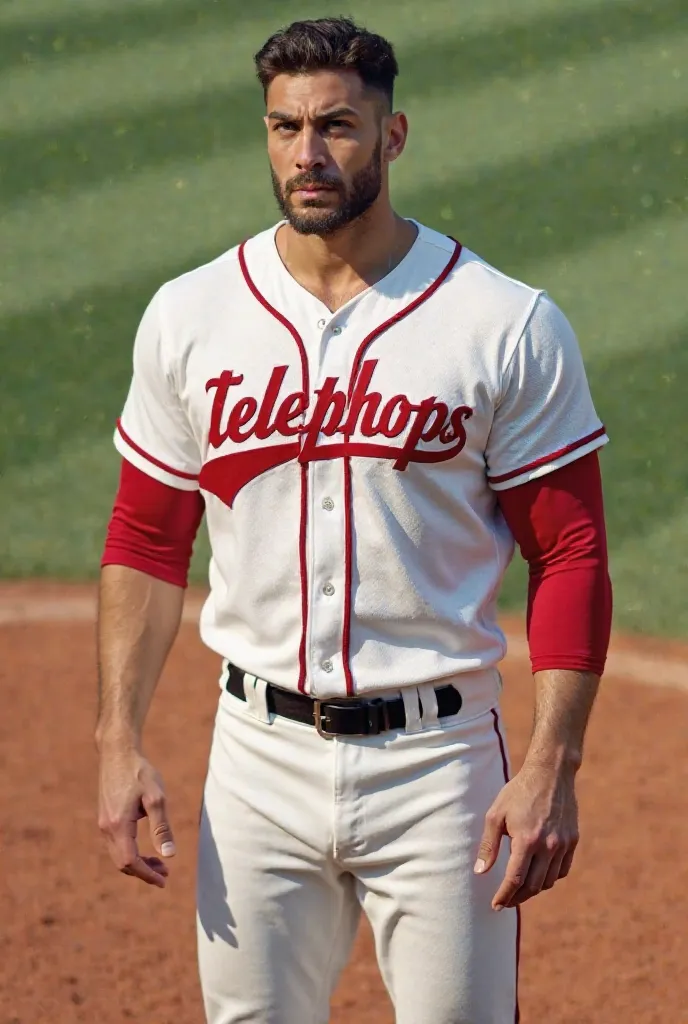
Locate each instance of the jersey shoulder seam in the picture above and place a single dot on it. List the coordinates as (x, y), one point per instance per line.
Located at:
(520, 335)
(495, 272)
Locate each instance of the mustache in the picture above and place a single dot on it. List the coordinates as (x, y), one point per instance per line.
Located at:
(312, 180)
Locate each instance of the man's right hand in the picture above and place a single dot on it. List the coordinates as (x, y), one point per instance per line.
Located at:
(131, 789)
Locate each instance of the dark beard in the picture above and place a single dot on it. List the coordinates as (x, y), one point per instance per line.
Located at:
(354, 202)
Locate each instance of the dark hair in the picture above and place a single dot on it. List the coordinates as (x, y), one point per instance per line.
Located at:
(328, 43)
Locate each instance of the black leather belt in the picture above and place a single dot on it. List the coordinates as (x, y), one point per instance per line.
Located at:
(346, 717)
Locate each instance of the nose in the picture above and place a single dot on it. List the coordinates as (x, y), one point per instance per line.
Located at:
(311, 151)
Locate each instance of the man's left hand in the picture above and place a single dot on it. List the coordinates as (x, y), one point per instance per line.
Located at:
(538, 810)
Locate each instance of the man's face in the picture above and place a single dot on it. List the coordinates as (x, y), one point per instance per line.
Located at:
(327, 141)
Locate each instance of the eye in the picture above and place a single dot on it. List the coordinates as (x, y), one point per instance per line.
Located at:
(338, 123)
(286, 127)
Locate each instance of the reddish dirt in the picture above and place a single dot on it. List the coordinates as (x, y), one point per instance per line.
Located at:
(79, 942)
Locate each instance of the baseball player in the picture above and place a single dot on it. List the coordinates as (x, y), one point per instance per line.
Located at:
(371, 417)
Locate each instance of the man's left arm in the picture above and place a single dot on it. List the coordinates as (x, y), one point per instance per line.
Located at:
(558, 523)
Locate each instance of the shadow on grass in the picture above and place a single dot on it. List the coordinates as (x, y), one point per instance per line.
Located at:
(93, 149)
(532, 208)
(90, 33)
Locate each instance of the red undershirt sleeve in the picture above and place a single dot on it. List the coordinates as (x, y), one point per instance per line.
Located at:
(153, 526)
(558, 523)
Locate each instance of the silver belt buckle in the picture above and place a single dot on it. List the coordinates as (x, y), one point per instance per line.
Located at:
(318, 716)
(378, 703)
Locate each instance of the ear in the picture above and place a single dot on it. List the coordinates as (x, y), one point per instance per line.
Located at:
(397, 133)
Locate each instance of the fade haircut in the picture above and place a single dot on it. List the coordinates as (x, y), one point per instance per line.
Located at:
(328, 44)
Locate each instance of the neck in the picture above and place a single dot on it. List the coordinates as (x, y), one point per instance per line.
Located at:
(356, 257)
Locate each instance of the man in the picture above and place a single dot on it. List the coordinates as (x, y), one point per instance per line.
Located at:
(371, 417)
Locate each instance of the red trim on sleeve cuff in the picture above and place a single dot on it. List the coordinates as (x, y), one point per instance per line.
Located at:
(548, 458)
(151, 458)
(116, 555)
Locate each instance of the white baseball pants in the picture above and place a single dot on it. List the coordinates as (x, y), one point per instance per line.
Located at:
(299, 833)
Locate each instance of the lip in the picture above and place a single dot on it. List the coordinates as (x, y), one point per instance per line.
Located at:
(318, 190)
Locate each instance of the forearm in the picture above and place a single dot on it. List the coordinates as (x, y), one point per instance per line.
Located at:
(138, 620)
(563, 703)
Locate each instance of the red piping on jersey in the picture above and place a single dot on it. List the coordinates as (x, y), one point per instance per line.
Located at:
(303, 563)
(418, 301)
(150, 458)
(348, 572)
(348, 496)
(548, 458)
(278, 316)
(505, 769)
(305, 387)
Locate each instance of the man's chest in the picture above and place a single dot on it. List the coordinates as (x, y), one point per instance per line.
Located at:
(260, 392)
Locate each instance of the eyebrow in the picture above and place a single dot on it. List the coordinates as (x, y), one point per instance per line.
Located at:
(279, 115)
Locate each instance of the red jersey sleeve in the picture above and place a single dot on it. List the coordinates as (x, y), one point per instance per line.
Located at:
(153, 526)
(558, 523)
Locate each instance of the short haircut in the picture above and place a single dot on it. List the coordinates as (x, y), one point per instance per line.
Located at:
(328, 44)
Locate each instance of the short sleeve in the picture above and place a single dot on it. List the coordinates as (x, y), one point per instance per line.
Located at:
(153, 432)
(545, 417)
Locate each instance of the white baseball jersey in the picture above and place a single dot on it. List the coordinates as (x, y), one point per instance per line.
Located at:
(349, 460)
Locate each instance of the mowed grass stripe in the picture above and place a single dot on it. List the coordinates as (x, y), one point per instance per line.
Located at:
(518, 211)
(104, 20)
(613, 287)
(650, 578)
(29, 14)
(63, 38)
(147, 109)
(545, 205)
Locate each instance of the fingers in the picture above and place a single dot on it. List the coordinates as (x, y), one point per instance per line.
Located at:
(553, 871)
(149, 870)
(542, 874)
(488, 850)
(123, 849)
(550, 860)
(567, 860)
(517, 870)
(160, 830)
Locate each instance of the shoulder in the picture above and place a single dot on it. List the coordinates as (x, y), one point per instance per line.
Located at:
(489, 287)
(210, 283)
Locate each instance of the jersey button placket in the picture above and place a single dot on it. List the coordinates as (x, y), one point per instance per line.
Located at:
(327, 568)
(327, 528)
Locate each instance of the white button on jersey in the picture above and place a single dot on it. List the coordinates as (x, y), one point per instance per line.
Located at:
(454, 382)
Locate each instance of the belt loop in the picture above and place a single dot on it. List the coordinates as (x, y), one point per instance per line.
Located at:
(412, 709)
(428, 698)
(256, 697)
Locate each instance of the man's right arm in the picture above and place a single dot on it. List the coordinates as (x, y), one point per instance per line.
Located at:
(138, 620)
(143, 578)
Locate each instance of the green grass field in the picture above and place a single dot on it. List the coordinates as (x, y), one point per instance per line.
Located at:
(550, 136)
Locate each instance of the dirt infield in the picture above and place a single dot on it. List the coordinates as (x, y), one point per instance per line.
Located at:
(79, 942)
